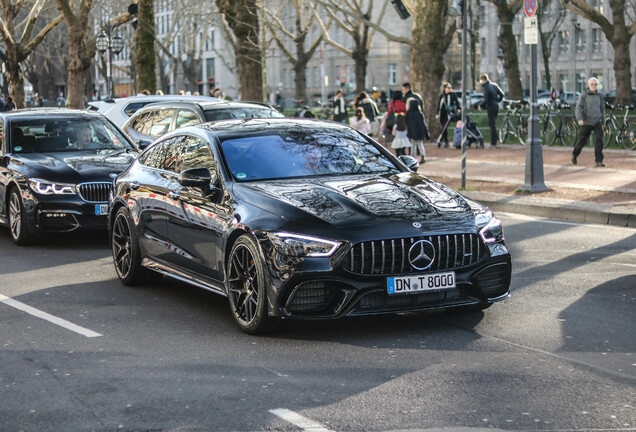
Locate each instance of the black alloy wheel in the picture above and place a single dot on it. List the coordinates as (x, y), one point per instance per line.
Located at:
(126, 254)
(18, 225)
(246, 287)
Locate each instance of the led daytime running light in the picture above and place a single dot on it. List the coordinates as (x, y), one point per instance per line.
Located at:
(43, 187)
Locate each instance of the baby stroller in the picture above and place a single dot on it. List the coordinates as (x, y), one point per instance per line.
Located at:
(473, 134)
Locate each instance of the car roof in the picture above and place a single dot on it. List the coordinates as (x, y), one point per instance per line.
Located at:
(207, 104)
(49, 112)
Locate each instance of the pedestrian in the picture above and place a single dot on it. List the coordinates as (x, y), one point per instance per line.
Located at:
(218, 93)
(448, 110)
(339, 107)
(492, 96)
(396, 106)
(553, 97)
(400, 139)
(416, 129)
(360, 122)
(10, 105)
(408, 93)
(370, 111)
(590, 114)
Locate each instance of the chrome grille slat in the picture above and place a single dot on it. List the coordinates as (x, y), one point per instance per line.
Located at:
(96, 192)
(390, 256)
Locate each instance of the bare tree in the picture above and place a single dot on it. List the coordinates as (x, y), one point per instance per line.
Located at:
(242, 17)
(81, 47)
(619, 32)
(303, 18)
(146, 77)
(18, 49)
(345, 14)
(506, 11)
(550, 16)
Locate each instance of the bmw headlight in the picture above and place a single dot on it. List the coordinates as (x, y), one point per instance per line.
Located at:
(297, 245)
(44, 187)
(489, 227)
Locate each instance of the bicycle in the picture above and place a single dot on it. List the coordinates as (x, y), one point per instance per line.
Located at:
(625, 132)
(555, 126)
(517, 127)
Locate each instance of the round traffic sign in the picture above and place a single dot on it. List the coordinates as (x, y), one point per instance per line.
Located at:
(529, 7)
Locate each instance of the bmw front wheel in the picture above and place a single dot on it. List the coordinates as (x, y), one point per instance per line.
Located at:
(18, 225)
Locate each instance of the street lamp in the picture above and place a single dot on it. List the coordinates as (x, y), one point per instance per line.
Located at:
(114, 45)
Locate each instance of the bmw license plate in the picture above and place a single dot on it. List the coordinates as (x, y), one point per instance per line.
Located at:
(101, 209)
(420, 283)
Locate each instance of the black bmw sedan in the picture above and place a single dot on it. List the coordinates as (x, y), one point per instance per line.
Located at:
(56, 170)
(302, 219)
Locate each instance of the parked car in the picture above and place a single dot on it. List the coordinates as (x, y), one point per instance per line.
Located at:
(157, 119)
(569, 98)
(119, 110)
(302, 219)
(610, 96)
(56, 170)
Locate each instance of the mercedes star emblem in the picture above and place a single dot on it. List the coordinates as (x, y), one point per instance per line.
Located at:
(422, 254)
(417, 225)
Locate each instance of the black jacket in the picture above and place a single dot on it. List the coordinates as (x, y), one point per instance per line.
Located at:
(415, 124)
(492, 95)
(447, 104)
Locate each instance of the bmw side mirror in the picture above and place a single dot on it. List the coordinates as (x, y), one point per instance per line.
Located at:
(410, 162)
(195, 177)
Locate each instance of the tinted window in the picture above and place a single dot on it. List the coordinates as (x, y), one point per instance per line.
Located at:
(303, 153)
(154, 156)
(143, 122)
(133, 107)
(161, 122)
(197, 155)
(186, 117)
(240, 113)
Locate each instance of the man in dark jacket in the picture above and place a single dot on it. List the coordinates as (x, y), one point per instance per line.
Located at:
(492, 96)
(407, 94)
(339, 107)
(590, 113)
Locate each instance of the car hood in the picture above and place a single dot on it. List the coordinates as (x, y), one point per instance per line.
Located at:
(365, 200)
(74, 167)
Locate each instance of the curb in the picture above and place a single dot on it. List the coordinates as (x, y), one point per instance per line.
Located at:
(575, 211)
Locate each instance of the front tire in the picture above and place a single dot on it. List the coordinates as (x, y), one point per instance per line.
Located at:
(246, 291)
(503, 132)
(18, 226)
(126, 253)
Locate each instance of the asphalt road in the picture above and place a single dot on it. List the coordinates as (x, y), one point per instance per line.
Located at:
(81, 352)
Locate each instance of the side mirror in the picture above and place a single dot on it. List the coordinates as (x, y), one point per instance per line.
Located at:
(142, 144)
(410, 162)
(195, 177)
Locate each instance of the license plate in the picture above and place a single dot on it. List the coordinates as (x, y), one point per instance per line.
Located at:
(101, 209)
(420, 283)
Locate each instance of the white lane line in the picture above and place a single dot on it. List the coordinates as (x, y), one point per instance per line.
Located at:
(296, 419)
(48, 317)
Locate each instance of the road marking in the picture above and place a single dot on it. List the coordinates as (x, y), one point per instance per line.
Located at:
(48, 317)
(296, 419)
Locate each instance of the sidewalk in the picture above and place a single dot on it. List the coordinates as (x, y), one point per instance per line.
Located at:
(580, 193)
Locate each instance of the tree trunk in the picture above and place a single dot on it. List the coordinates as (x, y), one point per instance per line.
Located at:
(241, 16)
(77, 65)
(620, 41)
(360, 56)
(430, 42)
(300, 65)
(16, 78)
(508, 46)
(146, 78)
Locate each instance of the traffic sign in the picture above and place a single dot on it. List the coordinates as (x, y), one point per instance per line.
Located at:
(530, 7)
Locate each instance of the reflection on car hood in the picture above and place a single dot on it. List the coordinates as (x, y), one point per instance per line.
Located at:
(362, 200)
(72, 167)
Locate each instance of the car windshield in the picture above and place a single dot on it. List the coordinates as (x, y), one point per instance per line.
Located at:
(303, 154)
(240, 113)
(40, 135)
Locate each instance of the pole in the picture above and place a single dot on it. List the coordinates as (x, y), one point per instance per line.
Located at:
(463, 4)
(534, 153)
(111, 90)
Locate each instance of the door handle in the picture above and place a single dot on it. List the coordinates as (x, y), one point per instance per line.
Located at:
(134, 185)
(174, 195)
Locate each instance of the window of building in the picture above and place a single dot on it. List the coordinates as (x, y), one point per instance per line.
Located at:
(598, 5)
(580, 41)
(564, 41)
(210, 71)
(563, 81)
(597, 40)
(599, 76)
(316, 78)
(393, 74)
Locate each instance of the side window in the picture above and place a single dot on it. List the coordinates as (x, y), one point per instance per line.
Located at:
(3, 149)
(143, 122)
(186, 117)
(161, 122)
(197, 155)
(175, 147)
(153, 156)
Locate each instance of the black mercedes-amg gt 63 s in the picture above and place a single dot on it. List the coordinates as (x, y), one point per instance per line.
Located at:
(56, 170)
(302, 219)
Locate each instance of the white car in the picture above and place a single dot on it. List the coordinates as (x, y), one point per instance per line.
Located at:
(119, 110)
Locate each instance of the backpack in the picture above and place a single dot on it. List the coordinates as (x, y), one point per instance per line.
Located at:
(499, 94)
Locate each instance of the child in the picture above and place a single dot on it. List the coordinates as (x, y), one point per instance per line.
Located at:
(360, 122)
(400, 140)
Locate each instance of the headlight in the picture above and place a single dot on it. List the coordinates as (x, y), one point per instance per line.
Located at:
(299, 245)
(489, 227)
(44, 187)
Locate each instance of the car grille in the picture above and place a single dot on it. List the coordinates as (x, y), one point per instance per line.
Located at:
(94, 192)
(385, 257)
